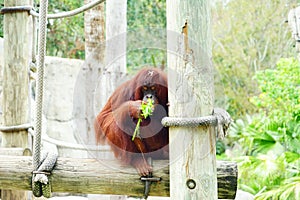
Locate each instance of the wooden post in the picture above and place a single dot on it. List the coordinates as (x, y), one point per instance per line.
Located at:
(15, 81)
(192, 150)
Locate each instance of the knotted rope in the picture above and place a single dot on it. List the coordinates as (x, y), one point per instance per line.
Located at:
(41, 183)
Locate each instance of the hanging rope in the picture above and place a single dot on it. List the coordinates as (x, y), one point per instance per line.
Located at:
(40, 82)
(36, 185)
(43, 167)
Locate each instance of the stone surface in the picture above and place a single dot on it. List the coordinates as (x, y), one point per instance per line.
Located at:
(59, 86)
(60, 78)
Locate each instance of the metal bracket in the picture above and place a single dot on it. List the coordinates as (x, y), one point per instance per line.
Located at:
(148, 180)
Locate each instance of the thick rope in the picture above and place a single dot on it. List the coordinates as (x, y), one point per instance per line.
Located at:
(70, 13)
(39, 93)
(41, 182)
(224, 120)
(15, 9)
(220, 118)
(40, 82)
(20, 127)
(189, 122)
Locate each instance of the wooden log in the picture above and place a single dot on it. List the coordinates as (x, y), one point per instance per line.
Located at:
(15, 151)
(92, 176)
(227, 179)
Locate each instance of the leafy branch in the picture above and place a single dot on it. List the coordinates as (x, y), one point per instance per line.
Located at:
(147, 109)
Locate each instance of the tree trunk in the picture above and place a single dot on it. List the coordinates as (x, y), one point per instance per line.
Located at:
(15, 104)
(115, 65)
(94, 27)
(192, 150)
(116, 27)
(94, 24)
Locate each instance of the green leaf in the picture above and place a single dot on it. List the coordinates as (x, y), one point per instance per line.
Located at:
(147, 109)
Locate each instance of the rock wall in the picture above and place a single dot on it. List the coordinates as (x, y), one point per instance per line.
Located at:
(60, 78)
(64, 96)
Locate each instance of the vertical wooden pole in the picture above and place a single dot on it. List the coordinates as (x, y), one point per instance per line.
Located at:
(15, 81)
(192, 150)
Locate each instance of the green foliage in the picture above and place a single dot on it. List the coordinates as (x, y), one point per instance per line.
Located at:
(65, 37)
(248, 36)
(284, 99)
(146, 13)
(289, 190)
(280, 101)
(146, 20)
(220, 147)
(268, 143)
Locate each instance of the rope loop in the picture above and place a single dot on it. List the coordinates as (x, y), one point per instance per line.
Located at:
(15, 9)
(21, 127)
(219, 118)
(41, 185)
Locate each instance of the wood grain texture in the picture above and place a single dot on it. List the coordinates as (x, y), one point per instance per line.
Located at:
(92, 176)
(192, 150)
(15, 104)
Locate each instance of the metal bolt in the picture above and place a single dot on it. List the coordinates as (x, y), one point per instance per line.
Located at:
(191, 184)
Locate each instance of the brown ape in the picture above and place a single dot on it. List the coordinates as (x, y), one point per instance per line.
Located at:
(117, 120)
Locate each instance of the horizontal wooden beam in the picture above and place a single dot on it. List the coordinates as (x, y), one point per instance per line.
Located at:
(15, 151)
(91, 176)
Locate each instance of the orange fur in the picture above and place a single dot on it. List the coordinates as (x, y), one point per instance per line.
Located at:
(116, 122)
